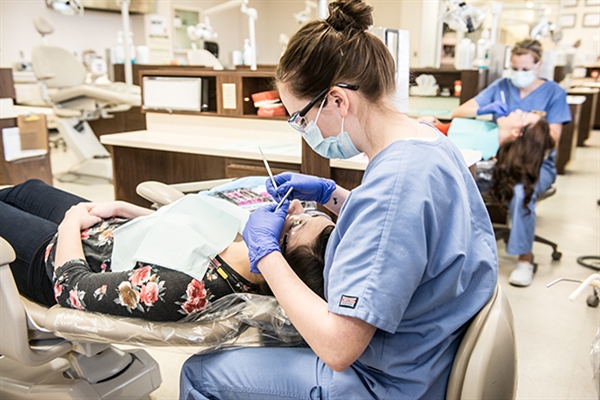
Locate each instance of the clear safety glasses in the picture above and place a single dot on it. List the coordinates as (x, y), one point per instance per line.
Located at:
(298, 120)
(301, 219)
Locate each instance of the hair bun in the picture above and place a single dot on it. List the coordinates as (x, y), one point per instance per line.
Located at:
(350, 15)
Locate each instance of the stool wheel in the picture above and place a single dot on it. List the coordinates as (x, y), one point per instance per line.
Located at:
(593, 300)
(556, 255)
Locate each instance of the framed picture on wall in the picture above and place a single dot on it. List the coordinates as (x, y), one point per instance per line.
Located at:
(592, 2)
(568, 20)
(591, 20)
(570, 3)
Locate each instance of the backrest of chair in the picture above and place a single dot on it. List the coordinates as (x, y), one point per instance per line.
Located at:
(485, 366)
(57, 67)
(13, 319)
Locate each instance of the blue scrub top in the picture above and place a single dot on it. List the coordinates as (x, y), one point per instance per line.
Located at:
(413, 254)
(549, 97)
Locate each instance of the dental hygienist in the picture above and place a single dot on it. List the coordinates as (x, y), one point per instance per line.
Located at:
(410, 262)
(525, 91)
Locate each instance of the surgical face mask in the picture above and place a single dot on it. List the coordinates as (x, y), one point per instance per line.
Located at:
(522, 79)
(339, 146)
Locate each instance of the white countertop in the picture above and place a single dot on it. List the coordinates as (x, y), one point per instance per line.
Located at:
(235, 147)
(230, 137)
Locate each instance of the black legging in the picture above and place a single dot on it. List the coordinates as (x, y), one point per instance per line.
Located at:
(29, 216)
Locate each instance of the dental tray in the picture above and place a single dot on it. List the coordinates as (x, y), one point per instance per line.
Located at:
(247, 198)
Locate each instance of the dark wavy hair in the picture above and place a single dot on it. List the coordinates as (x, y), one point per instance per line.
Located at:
(519, 161)
(308, 262)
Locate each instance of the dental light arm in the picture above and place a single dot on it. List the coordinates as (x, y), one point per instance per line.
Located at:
(66, 7)
(204, 30)
(462, 17)
(303, 16)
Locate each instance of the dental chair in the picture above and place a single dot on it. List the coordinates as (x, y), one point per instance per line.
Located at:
(485, 366)
(63, 353)
(62, 78)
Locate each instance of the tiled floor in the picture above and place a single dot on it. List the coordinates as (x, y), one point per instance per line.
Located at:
(554, 334)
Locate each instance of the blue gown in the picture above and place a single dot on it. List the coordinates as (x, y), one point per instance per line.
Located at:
(414, 254)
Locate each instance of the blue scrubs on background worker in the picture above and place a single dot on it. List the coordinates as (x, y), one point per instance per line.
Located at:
(523, 90)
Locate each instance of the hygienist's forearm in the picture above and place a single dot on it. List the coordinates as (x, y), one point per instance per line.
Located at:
(68, 246)
(337, 199)
(555, 132)
(338, 340)
(466, 110)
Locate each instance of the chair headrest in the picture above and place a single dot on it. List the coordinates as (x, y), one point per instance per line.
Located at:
(61, 67)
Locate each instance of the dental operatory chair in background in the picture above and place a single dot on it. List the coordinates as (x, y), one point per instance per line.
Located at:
(63, 85)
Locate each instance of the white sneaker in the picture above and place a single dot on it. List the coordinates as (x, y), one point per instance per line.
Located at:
(522, 275)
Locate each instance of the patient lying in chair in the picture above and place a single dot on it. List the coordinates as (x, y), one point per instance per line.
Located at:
(66, 248)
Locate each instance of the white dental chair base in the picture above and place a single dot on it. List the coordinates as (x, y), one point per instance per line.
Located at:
(55, 380)
(94, 159)
(36, 364)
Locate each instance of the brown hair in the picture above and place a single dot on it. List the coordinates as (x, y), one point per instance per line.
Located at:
(528, 46)
(520, 161)
(338, 50)
(308, 262)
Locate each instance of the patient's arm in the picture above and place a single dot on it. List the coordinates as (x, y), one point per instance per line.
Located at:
(69, 245)
(118, 209)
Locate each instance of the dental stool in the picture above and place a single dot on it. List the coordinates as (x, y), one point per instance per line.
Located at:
(501, 222)
(485, 365)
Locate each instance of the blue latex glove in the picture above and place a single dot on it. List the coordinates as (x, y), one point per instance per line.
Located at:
(262, 232)
(306, 187)
(497, 107)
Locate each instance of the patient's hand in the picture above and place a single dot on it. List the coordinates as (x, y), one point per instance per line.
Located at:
(118, 209)
(79, 217)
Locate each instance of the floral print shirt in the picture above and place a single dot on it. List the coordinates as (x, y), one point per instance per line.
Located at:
(146, 291)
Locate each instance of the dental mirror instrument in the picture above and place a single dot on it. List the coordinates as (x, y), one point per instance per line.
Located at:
(502, 96)
(284, 198)
(268, 168)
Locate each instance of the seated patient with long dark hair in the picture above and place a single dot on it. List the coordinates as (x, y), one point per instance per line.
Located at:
(519, 161)
(64, 247)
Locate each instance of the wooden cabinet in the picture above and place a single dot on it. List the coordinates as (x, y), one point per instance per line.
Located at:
(472, 81)
(229, 91)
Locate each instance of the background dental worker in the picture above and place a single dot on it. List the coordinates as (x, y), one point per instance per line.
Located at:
(410, 262)
(524, 90)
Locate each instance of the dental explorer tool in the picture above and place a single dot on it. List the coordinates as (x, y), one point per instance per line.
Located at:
(284, 198)
(268, 168)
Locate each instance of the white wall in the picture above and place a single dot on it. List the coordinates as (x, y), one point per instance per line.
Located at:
(94, 30)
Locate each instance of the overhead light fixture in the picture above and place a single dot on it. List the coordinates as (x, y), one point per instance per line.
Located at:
(66, 7)
(462, 17)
